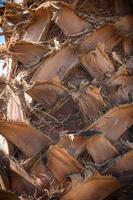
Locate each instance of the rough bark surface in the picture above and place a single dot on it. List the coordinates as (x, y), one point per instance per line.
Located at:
(66, 112)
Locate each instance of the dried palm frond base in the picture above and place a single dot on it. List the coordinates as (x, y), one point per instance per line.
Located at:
(66, 112)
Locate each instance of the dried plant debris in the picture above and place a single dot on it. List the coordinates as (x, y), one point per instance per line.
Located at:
(56, 66)
(93, 188)
(27, 53)
(15, 109)
(66, 96)
(15, 13)
(125, 26)
(2, 83)
(47, 93)
(19, 133)
(127, 47)
(120, 166)
(74, 145)
(39, 27)
(97, 62)
(98, 154)
(70, 27)
(60, 163)
(115, 122)
(120, 86)
(90, 101)
(129, 62)
(106, 34)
